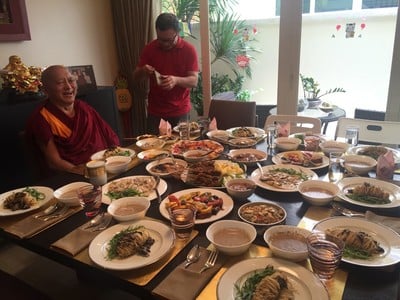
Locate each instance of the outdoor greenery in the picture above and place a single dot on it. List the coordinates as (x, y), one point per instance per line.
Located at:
(311, 88)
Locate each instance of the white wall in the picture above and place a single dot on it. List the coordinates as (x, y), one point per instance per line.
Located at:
(71, 33)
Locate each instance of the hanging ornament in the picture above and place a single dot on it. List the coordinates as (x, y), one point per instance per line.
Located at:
(255, 31)
(235, 31)
(362, 26)
(338, 26)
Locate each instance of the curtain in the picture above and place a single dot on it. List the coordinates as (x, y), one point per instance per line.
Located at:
(133, 28)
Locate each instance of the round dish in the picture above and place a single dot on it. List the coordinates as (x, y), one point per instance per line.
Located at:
(150, 143)
(287, 143)
(248, 156)
(168, 139)
(181, 147)
(373, 151)
(129, 208)
(219, 135)
(240, 187)
(281, 158)
(196, 155)
(165, 167)
(333, 146)
(317, 192)
(101, 155)
(117, 164)
(246, 132)
(68, 193)
(153, 154)
(359, 164)
(242, 142)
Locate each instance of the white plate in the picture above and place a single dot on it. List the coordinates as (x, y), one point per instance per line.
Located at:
(100, 155)
(257, 153)
(152, 154)
(306, 286)
(48, 195)
(162, 188)
(180, 147)
(176, 129)
(351, 182)
(218, 135)
(71, 199)
(356, 150)
(257, 132)
(388, 239)
(162, 234)
(276, 159)
(176, 161)
(256, 176)
(226, 207)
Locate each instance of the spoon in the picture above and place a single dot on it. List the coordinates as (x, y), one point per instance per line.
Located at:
(192, 256)
(262, 176)
(48, 211)
(346, 212)
(105, 221)
(95, 221)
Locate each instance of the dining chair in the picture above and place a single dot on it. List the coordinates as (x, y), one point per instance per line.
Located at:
(298, 124)
(371, 131)
(230, 113)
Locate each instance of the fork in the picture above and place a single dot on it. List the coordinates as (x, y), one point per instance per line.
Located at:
(212, 258)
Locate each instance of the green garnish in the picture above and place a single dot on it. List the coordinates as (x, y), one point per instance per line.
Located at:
(245, 292)
(355, 253)
(123, 153)
(291, 171)
(113, 243)
(368, 199)
(35, 193)
(124, 193)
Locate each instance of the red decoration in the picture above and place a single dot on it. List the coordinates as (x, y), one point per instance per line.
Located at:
(255, 30)
(235, 31)
(338, 26)
(242, 61)
(362, 26)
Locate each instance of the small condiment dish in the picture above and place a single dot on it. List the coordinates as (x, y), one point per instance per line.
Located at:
(287, 143)
(240, 187)
(359, 164)
(317, 192)
(117, 164)
(129, 208)
(68, 193)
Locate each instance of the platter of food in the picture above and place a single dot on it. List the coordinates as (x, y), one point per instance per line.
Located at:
(211, 204)
(369, 192)
(194, 128)
(246, 132)
(132, 186)
(180, 147)
(166, 167)
(248, 156)
(152, 154)
(242, 142)
(367, 243)
(212, 173)
(113, 151)
(373, 151)
(147, 242)
(309, 159)
(22, 200)
(301, 284)
(282, 178)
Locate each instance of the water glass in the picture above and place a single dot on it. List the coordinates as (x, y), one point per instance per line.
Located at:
(271, 134)
(325, 253)
(184, 130)
(336, 166)
(96, 172)
(311, 143)
(182, 221)
(90, 198)
(351, 135)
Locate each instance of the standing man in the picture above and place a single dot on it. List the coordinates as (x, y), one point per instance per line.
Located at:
(171, 65)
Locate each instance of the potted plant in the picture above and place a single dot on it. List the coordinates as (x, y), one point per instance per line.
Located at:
(312, 92)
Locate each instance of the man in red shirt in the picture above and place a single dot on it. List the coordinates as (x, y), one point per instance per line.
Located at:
(171, 65)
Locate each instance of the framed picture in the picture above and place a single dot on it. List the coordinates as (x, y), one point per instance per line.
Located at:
(85, 78)
(13, 21)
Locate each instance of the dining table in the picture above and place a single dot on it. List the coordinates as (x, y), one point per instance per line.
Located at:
(350, 281)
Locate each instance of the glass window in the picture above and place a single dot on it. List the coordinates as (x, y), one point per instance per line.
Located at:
(379, 3)
(333, 5)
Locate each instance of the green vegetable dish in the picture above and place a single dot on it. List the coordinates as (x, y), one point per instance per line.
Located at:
(125, 193)
(368, 193)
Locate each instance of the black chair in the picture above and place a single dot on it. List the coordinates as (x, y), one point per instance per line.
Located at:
(367, 114)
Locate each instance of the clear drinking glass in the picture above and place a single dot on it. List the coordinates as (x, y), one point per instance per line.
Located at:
(184, 130)
(90, 198)
(271, 134)
(336, 166)
(182, 221)
(351, 135)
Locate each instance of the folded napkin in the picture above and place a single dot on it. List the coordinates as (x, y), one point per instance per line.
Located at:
(30, 226)
(213, 125)
(164, 128)
(391, 222)
(186, 284)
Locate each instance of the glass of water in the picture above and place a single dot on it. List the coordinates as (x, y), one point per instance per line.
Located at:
(351, 136)
(336, 166)
(271, 134)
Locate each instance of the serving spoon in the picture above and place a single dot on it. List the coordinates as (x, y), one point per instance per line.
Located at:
(192, 256)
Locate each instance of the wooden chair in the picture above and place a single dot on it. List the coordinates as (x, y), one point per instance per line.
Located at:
(297, 123)
(229, 113)
(371, 131)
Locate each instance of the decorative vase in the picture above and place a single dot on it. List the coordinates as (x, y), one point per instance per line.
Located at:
(313, 103)
(302, 105)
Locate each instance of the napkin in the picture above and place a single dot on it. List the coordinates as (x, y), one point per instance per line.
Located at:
(213, 125)
(164, 128)
(391, 222)
(186, 284)
(31, 226)
(385, 166)
(283, 129)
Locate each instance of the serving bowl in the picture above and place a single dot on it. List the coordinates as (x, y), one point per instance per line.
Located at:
(165, 167)
(288, 242)
(317, 192)
(218, 135)
(231, 237)
(150, 143)
(359, 164)
(129, 208)
(333, 146)
(68, 193)
(240, 187)
(117, 164)
(287, 143)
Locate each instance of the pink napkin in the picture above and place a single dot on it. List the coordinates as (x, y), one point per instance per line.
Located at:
(213, 125)
(385, 166)
(165, 128)
(283, 129)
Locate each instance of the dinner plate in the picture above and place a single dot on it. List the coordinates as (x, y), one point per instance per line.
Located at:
(387, 238)
(277, 159)
(48, 195)
(162, 187)
(360, 148)
(100, 155)
(152, 154)
(180, 147)
(226, 207)
(162, 234)
(176, 129)
(305, 284)
(350, 182)
(248, 156)
(256, 132)
(256, 176)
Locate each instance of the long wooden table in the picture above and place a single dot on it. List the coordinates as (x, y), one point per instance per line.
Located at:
(361, 282)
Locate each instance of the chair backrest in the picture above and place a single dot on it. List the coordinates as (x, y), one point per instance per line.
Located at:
(371, 131)
(297, 123)
(367, 114)
(229, 113)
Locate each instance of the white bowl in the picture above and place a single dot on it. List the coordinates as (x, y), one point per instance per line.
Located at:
(317, 192)
(196, 155)
(168, 139)
(129, 208)
(288, 242)
(68, 193)
(165, 167)
(117, 164)
(240, 187)
(287, 143)
(150, 143)
(218, 134)
(333, 146)
(359, 164)
(231, 237)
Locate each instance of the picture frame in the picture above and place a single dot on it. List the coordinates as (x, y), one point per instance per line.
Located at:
(85, 78)
(14, 24)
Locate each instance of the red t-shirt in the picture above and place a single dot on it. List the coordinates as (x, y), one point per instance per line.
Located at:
(177, 61)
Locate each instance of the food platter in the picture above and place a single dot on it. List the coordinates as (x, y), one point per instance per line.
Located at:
(166, 167)
(305, 284)
(47, 196)
(300, 158)
(226, 207)
(248, 156)
(161, 233)
(194, 125)
(387, 238)
(145, 182)
(178, 148)
(374, 151)
(124, 152)
(246, 132)
(351, 182)
(152, 154)
(267, 169)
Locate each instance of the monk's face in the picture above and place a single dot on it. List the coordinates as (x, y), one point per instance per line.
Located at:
(61, 86)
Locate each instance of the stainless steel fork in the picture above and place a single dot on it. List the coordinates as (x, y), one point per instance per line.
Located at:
(212, 258)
